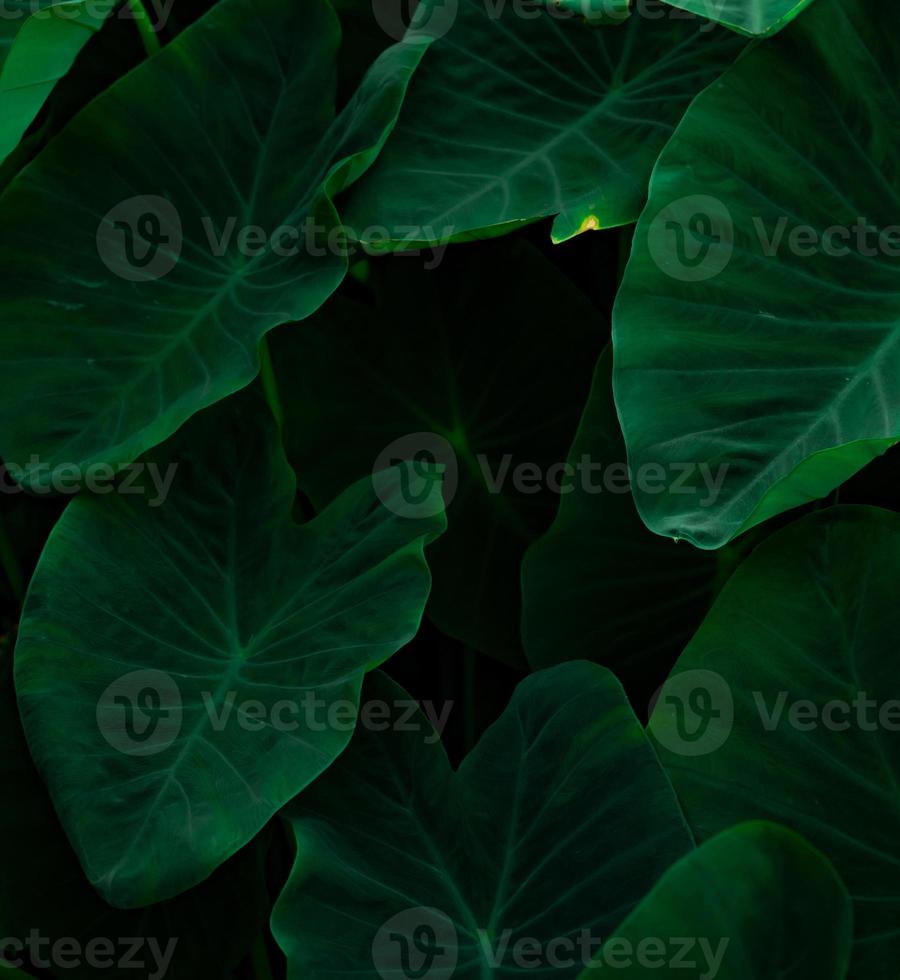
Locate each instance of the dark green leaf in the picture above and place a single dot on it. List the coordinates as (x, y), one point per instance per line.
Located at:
(780, 366)
(518, 113)
(555, 825)
(753, 903)
(120, 321)
(484, 362)
(206, 931)
(752, 17)
(784, 707)
(599, 585)
(38, 45)
(173, 690)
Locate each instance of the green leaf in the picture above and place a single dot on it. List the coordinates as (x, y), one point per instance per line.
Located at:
(600, 586)
(753, 903)
(767, 713)
(457, 361)
(173, 691)
(597, 12)
(753, 17)
(778, 365)
(513, 118)
(557, 823)
(130, 322)
(38, 45)
(42, 888)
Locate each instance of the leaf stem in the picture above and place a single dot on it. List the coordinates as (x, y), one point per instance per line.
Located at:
(270, 382)
(11, 565)
(469, 695)
(145, 28)
(260, 956)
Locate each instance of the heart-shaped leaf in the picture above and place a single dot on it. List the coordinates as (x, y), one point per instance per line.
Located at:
(600, 586)
(553, 828)
(45, 900)
(485, 388)
(135, 300)
(516, 115)
(174, 694)
(752, 903)
(784, 707)
(754, 17)
(38, 45)
(756, 327)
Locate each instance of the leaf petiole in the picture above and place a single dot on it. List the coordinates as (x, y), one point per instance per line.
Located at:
(260, 957)
(145, 28)
(270, 382)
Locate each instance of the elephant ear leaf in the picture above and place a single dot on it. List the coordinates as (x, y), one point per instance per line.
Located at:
(406, 390)
(784, 707)
(515, 118)
(173, 692)
(553, 829)
(753, 17)
(753, 902)
(756, 329)
(220, 155)
(43, 888)
(598, 585)
(38, 45)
